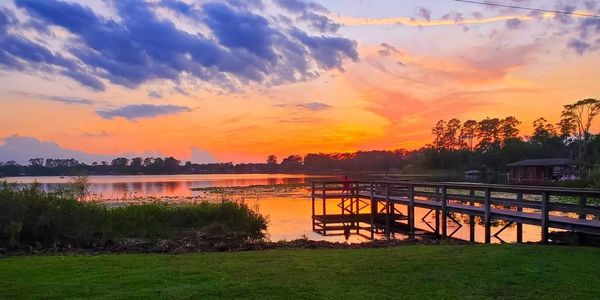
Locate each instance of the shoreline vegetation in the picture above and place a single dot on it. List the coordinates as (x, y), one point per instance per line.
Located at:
(32, 219)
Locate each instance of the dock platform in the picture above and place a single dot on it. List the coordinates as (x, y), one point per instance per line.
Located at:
(374, 206)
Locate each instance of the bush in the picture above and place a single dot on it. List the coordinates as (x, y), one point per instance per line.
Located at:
(30, 217)
(594, 178)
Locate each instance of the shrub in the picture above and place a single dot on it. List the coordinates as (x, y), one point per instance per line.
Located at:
(30, 217)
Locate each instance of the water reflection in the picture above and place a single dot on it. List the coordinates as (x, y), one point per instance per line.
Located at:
(127, 186)
(289, 213)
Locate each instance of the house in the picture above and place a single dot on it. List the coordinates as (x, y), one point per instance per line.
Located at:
(531, 171)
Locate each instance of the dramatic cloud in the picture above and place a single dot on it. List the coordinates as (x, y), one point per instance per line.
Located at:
(20, 54)
(311, 13)
(387, 50)
(312, 106)
(70, 100)
(21, 149)
(201, 156)
(424, 13)
(140, 111)
(581, 47)
(139, 46)
(154, 94)
(514, 23)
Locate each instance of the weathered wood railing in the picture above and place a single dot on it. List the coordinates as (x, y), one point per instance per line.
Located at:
(515, 204)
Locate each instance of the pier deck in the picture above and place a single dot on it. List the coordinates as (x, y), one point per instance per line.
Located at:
(547, 207)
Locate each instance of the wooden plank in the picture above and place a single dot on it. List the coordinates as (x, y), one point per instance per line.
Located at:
(595, 193)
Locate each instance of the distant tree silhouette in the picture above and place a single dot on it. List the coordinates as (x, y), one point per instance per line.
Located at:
(488, 132)
(578, 117)
(272, 163)
(468, 134)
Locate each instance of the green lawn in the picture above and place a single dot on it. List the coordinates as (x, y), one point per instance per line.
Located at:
(470, 271)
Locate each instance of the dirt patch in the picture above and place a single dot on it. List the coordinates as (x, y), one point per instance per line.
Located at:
(192, 242)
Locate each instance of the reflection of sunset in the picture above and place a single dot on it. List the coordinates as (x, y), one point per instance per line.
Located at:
(109, 187)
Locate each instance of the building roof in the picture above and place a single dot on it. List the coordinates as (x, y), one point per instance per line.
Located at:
(545, 162)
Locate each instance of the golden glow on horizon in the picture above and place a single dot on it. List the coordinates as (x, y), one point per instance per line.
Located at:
(410, 21)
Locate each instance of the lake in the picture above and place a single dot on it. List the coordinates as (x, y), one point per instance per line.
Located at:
(118, 186)
(288, 209)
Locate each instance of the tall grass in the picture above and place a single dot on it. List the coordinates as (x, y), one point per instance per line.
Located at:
(30, 217)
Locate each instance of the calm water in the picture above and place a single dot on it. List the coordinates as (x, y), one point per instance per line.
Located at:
(289, 212)
(289, 215)
(118, 186)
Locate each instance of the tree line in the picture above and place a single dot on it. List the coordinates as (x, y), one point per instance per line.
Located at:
(493, 142)
(486, 145)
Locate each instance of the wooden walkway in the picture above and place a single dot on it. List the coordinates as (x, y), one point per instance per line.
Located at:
(514, 204)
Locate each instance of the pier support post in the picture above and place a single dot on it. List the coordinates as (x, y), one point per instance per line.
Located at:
(437, 222)
(582, 215)
(520, 225)
(374, 210)
(545, 216)
(388, 221)
(324, 209)
(411, 211)
(582, 204)
(312, 195)
(487, 215)
(444, 212)
(472, 217)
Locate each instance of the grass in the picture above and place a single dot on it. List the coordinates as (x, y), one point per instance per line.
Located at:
(419, 272)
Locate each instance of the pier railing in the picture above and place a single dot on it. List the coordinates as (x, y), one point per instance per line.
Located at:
(548, 207)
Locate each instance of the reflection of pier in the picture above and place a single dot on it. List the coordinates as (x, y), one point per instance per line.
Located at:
(374, 207)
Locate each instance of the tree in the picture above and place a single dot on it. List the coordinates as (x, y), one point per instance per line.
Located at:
(136, 165)
(439, 132)
(119, 162)
(508, 128)
(271, 163)
(488, 132)
(36, 162)
(148, 161)
(292, 163)
(451, 135)
(468, 132)
(543, 132)
(136, 162)
(171, 164)
(272, 160)
(579, 117)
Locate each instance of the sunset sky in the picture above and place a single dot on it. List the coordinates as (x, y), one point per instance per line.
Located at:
(237, 80)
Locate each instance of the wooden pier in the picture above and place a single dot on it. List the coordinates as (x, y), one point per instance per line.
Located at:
(376, 207)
